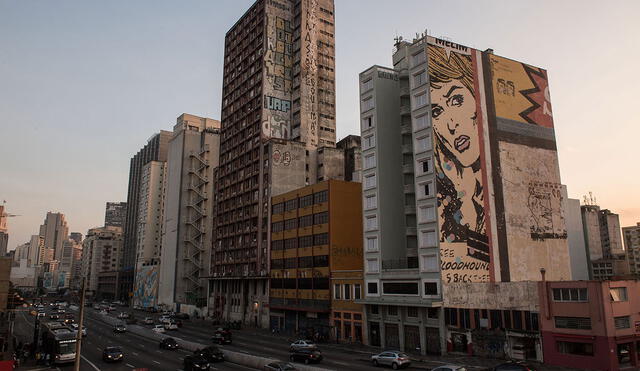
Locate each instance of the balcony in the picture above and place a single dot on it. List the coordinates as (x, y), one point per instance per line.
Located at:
(404, 263)
(407, 148)
(409, 188)
(410, 209)
(406, 128)
(405, 109)
(407, 169)
(404, 90)
(412, 231)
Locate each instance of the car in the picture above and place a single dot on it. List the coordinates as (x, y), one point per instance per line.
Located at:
(74, 327)
(170, 325)
(120, 328)
(112, 354)
(195, 363)
(169, 343)
(164, 319)
(450, 368)
(41, 314)
(211, 353)
(123, 315)
(513, 366)
(176, 320)
(222, 336)
(54, 316)
(306, 355)
(181, 316)
(394, 359)
(158, 328)
(112, 307)
(104, 312)
(148, 321)
(279, 366)
(302, 344)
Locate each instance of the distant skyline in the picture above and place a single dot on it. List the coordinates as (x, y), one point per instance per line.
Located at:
(84, 84)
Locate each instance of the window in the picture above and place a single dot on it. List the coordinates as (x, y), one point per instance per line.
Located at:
(369, 181)
(424, 166)
(622, 322)
(569, 294)
(420, 100)
(291, 205)
(451, 316)
(347, 291)
(430, 288)
(320, 261)
(320, 197)
(374, 309)
(582, 349)
(306, 200)
(357, 291)
(277, 245)
(321, 239)
(428, 238)
(368, 142)
(305, 241)
(372, 288)
(372, 243)
(423, 144)
(371, 223)
(400, 288)
(429, 262)
(367, 122)
(278, 208)
(373, 266)
(576, 323)
(412, 312)
(419, 78)
(277, 227)
(321, 218)
(336, 291)
(465, 318)
(618, 293)
(290, 224)
(367, 104)
(305, 221)
(418, 58)
(427, 213)
(370, 202)
(426, 189)
(432, 313)
(422, 122)
(392, 311)
(305, 262)
(369, 161)
(367, 85)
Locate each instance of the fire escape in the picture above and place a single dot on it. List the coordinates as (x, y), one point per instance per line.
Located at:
(194, 235)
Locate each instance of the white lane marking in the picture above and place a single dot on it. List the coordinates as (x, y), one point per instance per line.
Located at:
(134, 353)
(181, 358)
(158, 351)
(91, 363)
(130, 365)
(341, 363)
(156, 362)
(100, 349)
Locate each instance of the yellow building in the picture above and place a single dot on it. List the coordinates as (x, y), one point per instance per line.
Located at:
(316, 261)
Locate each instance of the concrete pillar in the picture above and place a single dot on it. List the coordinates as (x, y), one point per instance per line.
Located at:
(423, 338)
(401, 334)
(443, 332)
(383, 342)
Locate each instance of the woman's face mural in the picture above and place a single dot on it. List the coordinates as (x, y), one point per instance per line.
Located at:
(453, 111)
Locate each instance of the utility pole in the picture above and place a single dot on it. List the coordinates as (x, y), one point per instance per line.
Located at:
(76, 366)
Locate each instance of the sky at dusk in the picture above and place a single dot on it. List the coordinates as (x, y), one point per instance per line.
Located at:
(84, 84)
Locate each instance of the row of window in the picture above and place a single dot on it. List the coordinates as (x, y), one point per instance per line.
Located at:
(582, 294)
(304, 201)
(316, 283)
(403, 288)
(317, 261)
(493, 319)
(347, 291)
(300, 242)
(301, 222)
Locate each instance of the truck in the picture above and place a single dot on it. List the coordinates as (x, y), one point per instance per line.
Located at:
(59, 342)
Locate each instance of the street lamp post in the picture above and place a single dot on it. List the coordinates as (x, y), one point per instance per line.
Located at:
(80, 327)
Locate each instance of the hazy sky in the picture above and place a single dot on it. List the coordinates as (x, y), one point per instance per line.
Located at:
(85, 83)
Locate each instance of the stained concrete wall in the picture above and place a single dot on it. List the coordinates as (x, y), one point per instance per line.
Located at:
(500, 295)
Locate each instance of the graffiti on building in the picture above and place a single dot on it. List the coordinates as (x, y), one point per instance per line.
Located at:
(545, 201)
(460, 168)
(489, 343)
(281, 158)
(521, 92)
(145, 292)
(308, 96)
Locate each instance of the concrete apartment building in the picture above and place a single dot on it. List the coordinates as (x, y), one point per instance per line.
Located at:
(149, 242)
(434, 129)
(54, 231)
(352, 147)
(154, 150)
(278, 108)
(575, 237)
(192, 156)
(101, 257)
(4, 232)
(36, 250)
(115, 214)
(316, 262)
(605, 251)
(631, 238)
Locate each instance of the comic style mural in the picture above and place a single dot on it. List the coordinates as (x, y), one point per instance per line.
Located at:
(276, 114)
(521, 92)
(145, 292)
(459, 162)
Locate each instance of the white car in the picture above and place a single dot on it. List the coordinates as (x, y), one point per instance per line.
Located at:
(170, 325)
(104, 312)
(148, 321)
(75, 329)
(41, 314)
(158, 329)
(164, 319)
(303, 344)
(123, 315)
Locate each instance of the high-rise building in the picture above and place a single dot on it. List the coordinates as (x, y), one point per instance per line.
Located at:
(193, 153)
(36, 250)
(631, 237)
(76, 266)
(21, 252)
(605, 251)
(54, 232)
(4, 232)
(461, 184)
(278, 108)
(115, 214)
(76, 236)
(101, 253)
(352, 147)
(154, 150)
(575, 238)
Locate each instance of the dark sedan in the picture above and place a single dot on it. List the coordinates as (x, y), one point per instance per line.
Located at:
(112, 354)
(195, 363)
(211, 354)
(306, 355)
(169, 343)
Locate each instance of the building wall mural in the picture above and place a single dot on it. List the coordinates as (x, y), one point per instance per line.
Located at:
(145, 291)
(276, 114)
(459, 162)
(309, 71)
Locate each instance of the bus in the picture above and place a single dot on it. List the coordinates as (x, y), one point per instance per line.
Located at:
(59, 342)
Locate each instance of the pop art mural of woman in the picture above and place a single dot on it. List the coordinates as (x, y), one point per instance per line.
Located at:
(460, 184)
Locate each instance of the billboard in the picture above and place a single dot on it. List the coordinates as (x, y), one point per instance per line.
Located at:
(145, 291)
(460, 161)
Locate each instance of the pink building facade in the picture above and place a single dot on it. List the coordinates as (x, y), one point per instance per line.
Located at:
(590, 324)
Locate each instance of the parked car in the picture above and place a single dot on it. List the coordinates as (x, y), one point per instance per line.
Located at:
(279, 366)
(210, 353)
(302, 344)
(306, 355)
(169, 343)
(391, 358)
(195, 363)
(164, 319)
(120, 328)
(450, 368)
(158, 328)
(181, 316)
(148, 321)
(123, 315)
(112, 354)
(513, 366)
(222, 336)
(170, 325)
